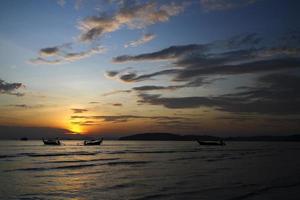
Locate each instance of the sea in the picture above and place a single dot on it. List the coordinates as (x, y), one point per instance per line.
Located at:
(144, 170)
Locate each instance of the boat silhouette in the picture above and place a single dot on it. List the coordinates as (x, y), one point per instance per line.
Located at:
(51, 141)
(93, 142)
(211, 143)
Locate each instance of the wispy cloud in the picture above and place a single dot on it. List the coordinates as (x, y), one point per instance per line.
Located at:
(26, 106)
(117, 104)
(171, 52)
(79, 110)
(61, 2)
(133, 16)
(58, 55)
(123, 118)
(144, 39)
(216, 5)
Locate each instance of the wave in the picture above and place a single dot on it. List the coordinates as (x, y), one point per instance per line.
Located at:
(7, 156)
(77, 153)
(128, 162)
(153, 152)
(76, 161)
(263, 190)
(115, 163)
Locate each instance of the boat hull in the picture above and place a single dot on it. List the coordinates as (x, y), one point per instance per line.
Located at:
(221, 143)
(92, 142)
(51, 142)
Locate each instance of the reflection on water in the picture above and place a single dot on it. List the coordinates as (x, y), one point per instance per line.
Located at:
(149, 170)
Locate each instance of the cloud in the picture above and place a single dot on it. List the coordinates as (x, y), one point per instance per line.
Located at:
(123, 118)
(10, 88)
(244, 68)
(78, 4)
(144, 39)
(274, 94)
(133, 16)
(26, 106)
(216, 5)
(195, 83)
(177, 102)
(111, 74)
(167, 53)
(59, 56)
(149, 88)
(49, 51)
(116, 92)
(94, 102)
(117, 104)
(133, 77)
(240, 54)
(61, 2)
(79, 110)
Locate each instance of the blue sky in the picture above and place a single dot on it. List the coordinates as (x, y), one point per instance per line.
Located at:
(57, 56)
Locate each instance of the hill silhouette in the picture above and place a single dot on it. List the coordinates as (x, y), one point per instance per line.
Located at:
(167, 137)
(175, 137)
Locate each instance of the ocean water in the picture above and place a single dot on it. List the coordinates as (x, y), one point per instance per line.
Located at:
(149, 170)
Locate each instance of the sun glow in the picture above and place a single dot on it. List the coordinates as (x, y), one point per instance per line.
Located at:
(76, 128)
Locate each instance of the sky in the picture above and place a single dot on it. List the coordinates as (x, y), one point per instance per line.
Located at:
(115, 67)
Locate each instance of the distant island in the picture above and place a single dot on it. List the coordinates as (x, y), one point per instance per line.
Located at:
(175, 137)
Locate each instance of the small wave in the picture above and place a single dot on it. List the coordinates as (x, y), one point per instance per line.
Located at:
(263, 190)
(152, 152)
(185, 158)
(80, 166)
(122, 186)
(78, 153)
(7, 156)
(76, 161)
(128, 162)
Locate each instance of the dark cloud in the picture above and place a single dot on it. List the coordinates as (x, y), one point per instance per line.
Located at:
(177, 102)
(133, 77)
(176, 52)
(149, 88)
(168, 53)
(201, 64)
(116, 92)
(112, 73)
(94, 102)
(128, 77)
(244, 68)
(79, 110)
(195, 83)
(10, 88)
(49, 51)
(117, 104)
(276, 94)
(123, 118)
